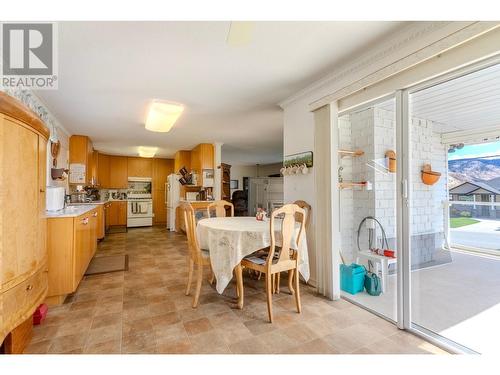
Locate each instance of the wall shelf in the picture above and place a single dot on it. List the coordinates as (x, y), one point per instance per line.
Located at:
(350, 153)
(349, 185)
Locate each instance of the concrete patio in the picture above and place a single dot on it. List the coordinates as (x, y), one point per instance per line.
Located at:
(459, 300)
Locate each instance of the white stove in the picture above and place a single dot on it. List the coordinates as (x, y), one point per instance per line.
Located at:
(139, 212)
(139, 202)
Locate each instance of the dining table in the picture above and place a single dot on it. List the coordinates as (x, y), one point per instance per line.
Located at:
(230, 239)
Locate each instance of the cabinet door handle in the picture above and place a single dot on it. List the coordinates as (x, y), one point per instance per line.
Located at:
(29, 287)
(95, 214)
(42, 190)
(85, 221)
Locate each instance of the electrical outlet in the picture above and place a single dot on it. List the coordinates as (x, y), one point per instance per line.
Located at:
(370, 224)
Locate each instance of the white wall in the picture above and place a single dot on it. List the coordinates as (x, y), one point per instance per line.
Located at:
(240, 171)
(298, 136)
(266, 170)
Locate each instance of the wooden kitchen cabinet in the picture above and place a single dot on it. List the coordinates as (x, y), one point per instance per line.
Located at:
(140, 167)
(182, 158)
(103, 170)
(23, 252)
(202, 157)
(161, 169)
(94, 168)
(118, 172)
(101, 230)
(117, 213)
(72, 243)
(81, 152)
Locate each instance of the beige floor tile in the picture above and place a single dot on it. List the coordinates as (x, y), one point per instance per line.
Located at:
(104, 334)
(144, 310)
(253, 345)
(68, 343)
(175, 346)
(106, 320)
(317, 346)
(106, 347)
(209, 342)
(197, 326)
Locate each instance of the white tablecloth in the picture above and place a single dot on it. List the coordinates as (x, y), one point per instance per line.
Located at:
(230, 239)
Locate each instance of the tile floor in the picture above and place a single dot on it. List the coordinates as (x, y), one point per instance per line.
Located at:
(144, 310)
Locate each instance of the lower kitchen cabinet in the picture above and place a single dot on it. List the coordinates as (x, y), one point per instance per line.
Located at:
(101, 230)
(71, 243)
(117, 213)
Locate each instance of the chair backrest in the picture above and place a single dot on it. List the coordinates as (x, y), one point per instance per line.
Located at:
(220, 208)
(288, 216)
(190, 224)
(307, 207)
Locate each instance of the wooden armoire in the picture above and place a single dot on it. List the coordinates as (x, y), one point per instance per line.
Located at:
(23, 251)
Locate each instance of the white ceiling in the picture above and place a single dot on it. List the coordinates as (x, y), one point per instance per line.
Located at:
(466, 103)
(110, 71)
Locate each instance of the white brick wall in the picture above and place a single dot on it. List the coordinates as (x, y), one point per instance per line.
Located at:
(373, 131)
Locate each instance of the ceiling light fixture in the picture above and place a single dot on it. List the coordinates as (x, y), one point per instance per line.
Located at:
(162, 116)
(147, 152)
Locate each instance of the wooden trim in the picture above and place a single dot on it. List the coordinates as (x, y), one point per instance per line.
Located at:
(12, 107)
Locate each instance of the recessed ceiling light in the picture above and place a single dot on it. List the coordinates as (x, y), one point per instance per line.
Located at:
(162, 116)
(147, 152)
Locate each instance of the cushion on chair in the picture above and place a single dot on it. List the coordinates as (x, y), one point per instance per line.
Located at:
(255, 260)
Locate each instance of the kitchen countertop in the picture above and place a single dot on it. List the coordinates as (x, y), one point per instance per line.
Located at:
(192, 201)
(70, 211)
(87, 203)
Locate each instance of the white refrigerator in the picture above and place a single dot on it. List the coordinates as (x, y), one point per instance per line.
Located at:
(172, 196)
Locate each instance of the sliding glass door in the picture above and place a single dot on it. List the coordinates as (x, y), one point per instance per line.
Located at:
(419, 175)
(452, 129)
(367, 192)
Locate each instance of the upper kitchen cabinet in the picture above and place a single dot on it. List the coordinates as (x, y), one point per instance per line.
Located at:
(202, 157)
(81, 161)
(161, 169)
(103, 170)
(182, 158)
(118, 175)
(140, 167)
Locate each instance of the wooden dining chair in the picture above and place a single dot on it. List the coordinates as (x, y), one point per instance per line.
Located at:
(307, 207)
(196, 256)
(220, 208)
(281, 259)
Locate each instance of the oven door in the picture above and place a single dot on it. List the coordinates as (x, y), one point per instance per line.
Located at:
(140, 208)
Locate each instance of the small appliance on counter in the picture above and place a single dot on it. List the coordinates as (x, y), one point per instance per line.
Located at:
(202, 195)
(55, 198)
